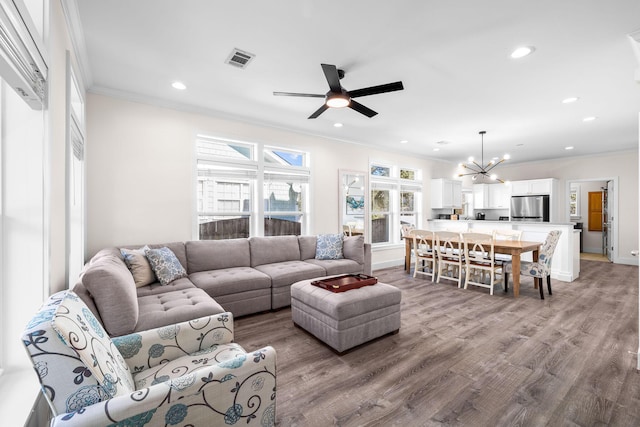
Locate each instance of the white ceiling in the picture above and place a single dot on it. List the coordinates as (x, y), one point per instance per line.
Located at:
(452, 56)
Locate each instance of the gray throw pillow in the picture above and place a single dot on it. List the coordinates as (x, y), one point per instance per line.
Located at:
(165, 265)
(139, 266)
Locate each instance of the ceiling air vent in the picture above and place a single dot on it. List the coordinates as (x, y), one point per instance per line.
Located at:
(239, 58)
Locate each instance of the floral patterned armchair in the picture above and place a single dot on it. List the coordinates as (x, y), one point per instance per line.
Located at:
(185, 374)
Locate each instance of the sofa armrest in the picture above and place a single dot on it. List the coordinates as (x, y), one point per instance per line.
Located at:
(213, 395)
(367, 259)
(174, 340)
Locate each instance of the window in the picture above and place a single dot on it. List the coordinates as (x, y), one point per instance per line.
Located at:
(396, 200)
(232, 176)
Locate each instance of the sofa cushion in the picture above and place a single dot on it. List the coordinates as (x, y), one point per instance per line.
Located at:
(165, 265)
(272, 249)
(157, 288)
(111, 285)
(337, 266)
(139, 266)
(353, 248)
(80, 330)
(233, 280)
(307, 247)
(289, 272)
(329, 246)
(203, 255)
(174, 307)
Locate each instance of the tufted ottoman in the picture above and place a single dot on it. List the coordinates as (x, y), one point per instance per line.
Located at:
(346, 319)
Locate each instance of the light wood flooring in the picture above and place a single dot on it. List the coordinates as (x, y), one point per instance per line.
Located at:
(465, 358)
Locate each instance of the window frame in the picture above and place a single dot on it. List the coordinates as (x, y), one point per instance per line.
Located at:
(396, 186)
(263, 170)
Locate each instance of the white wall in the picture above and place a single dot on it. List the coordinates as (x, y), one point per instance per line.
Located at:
(140, 166)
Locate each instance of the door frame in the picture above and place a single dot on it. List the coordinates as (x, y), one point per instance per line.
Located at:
(614, 214)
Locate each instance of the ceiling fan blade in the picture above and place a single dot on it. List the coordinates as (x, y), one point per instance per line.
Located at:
(319, 111)
(373, 90)
(305, 95)
(362, 109)
(331, 73)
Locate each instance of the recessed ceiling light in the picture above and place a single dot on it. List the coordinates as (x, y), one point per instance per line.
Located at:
(568, 148)
(404, 141)
(522, 52)
(589, 119)
(337, 125)
(178, 85)
(570, 100)
(436, 149)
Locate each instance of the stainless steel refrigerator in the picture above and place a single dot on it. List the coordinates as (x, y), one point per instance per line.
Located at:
(530, 208)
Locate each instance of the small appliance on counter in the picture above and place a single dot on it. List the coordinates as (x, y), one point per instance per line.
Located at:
(480, 216)
(503, 218)
(444, 216)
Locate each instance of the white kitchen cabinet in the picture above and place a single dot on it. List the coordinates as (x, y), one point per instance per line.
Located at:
(480, 196)
(499, 196)
(446, 193)
(491, 196)
(532, 186)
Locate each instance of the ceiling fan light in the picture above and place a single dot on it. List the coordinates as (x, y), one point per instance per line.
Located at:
(493, 177)
(470, 159)
(506, 156)
(338, 101)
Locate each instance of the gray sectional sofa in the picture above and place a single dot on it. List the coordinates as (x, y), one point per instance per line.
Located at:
(243, 276)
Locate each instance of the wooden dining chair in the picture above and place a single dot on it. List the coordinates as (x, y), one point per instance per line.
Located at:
(450, 253)
(513, 235)
(425, 258)
(540, 269)
(480, 261)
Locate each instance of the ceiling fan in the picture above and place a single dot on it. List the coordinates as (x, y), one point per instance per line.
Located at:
(339, 97)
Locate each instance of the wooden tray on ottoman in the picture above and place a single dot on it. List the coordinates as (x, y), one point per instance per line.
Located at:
(346, 282)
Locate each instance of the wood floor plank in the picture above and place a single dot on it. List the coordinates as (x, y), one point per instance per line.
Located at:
(466, 358)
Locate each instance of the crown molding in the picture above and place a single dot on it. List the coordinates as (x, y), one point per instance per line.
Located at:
(76, 34)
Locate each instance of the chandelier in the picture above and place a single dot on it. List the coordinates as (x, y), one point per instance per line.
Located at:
(481, 170)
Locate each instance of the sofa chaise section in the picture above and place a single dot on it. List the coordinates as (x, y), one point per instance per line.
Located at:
(108, 289)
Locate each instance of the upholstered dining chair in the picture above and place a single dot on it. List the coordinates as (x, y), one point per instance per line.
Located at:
(540, 269)
(425, 259)
(479, 260)
(190, 373)
(450, 253)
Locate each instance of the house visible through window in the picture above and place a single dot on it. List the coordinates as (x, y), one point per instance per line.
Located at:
(250, 189)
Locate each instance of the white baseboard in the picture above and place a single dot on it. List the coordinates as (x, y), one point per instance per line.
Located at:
(388, 264)
(627, 260)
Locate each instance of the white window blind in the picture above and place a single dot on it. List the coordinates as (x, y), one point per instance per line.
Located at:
(22, 63)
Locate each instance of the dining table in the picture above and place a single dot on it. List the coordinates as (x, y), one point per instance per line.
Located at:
(515, 248)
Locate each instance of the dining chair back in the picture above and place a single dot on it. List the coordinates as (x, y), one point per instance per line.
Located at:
(346, 230)
(450, 253)
(502, 234)
(479, 259)
(425, 258)
(538, 269)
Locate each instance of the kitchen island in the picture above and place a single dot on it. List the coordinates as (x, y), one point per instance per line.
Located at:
(566, 259)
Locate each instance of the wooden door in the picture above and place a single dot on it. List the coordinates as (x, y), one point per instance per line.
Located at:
(595, 211)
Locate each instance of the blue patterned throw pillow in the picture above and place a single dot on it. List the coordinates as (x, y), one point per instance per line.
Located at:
(165, 264)
(329, 246)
